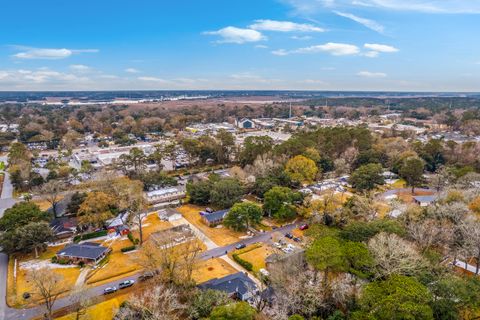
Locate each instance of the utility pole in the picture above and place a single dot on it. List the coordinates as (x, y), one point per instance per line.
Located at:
(290, 111)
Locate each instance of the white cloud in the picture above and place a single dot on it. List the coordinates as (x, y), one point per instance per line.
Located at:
(284, 26)
(335, 49)
(48, 53)
(13, 78)
(261, 46)
(380, 47)
(237, 35)
(80, 68)
(370, 24)
(152, 79)
(280, 52)
(371, 54)
(301, 37)
(132, 70)
(431, 6)
(368, 74)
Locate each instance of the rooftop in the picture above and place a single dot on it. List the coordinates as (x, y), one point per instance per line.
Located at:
(217, 215)
(87, 250)
(234, 283)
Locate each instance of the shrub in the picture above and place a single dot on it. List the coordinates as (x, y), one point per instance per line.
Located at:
(54, 259)
(129, 248)
(134, 240)
(90, 235)
(81, 264)
(247, 265)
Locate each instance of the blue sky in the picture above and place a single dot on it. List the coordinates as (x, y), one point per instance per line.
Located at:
(240, 44)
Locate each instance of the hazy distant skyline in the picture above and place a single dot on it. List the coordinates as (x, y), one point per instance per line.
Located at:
(400, 45)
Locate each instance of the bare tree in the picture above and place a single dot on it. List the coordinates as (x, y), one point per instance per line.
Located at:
(51, 191)
(472, 233)
(48, 286)
(170, 256)
(430, 232)
(162, 302)
(393, 254)
(80, 302)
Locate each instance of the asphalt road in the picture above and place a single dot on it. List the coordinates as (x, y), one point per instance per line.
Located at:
(22, 314)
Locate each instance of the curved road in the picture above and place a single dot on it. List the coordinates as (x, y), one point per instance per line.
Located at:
(28, 313)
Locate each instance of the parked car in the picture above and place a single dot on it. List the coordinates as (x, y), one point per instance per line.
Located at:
(289, 236)
(297, 239)
(240, 246)
(209, 210)
(145, 276)
(303, 227)
(277, 245)
(110, 290)
(126, 284)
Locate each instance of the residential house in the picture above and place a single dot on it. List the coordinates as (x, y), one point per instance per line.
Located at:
(64, 227)
(165, 195)
(88, 253)
(238, 286)
(214, 218)
(119, 223)
(424, 201)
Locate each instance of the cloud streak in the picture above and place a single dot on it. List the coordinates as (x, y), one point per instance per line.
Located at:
(369, 74)
(307, 7)
(48, 53)
(370, 24)
(284, 26)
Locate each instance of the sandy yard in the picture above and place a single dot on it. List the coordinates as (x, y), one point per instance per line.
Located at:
(257, 256)
(219, 235)
(210, 269)
(17, 286)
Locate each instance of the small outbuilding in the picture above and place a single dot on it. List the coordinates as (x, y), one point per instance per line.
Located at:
(169, 214)
(424, 201)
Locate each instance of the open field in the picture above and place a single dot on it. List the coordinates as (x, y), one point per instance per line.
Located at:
(221, 236)
(210, 269)
(16, 288)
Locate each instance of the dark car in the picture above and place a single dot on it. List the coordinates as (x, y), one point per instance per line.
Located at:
(240, 246)
(289, 236)
(126, 284)
(297, 239)
(110, 290)
(146, 276)
(303, 227)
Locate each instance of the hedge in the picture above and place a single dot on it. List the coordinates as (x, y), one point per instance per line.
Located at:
(91, 235)
(247, 265)
(129, 248)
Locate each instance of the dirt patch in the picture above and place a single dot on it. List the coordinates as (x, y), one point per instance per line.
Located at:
(212, 268)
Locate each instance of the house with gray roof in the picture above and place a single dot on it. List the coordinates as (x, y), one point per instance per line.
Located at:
(214, 218)
(237, 285)
(424, 201)
(88, 252)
